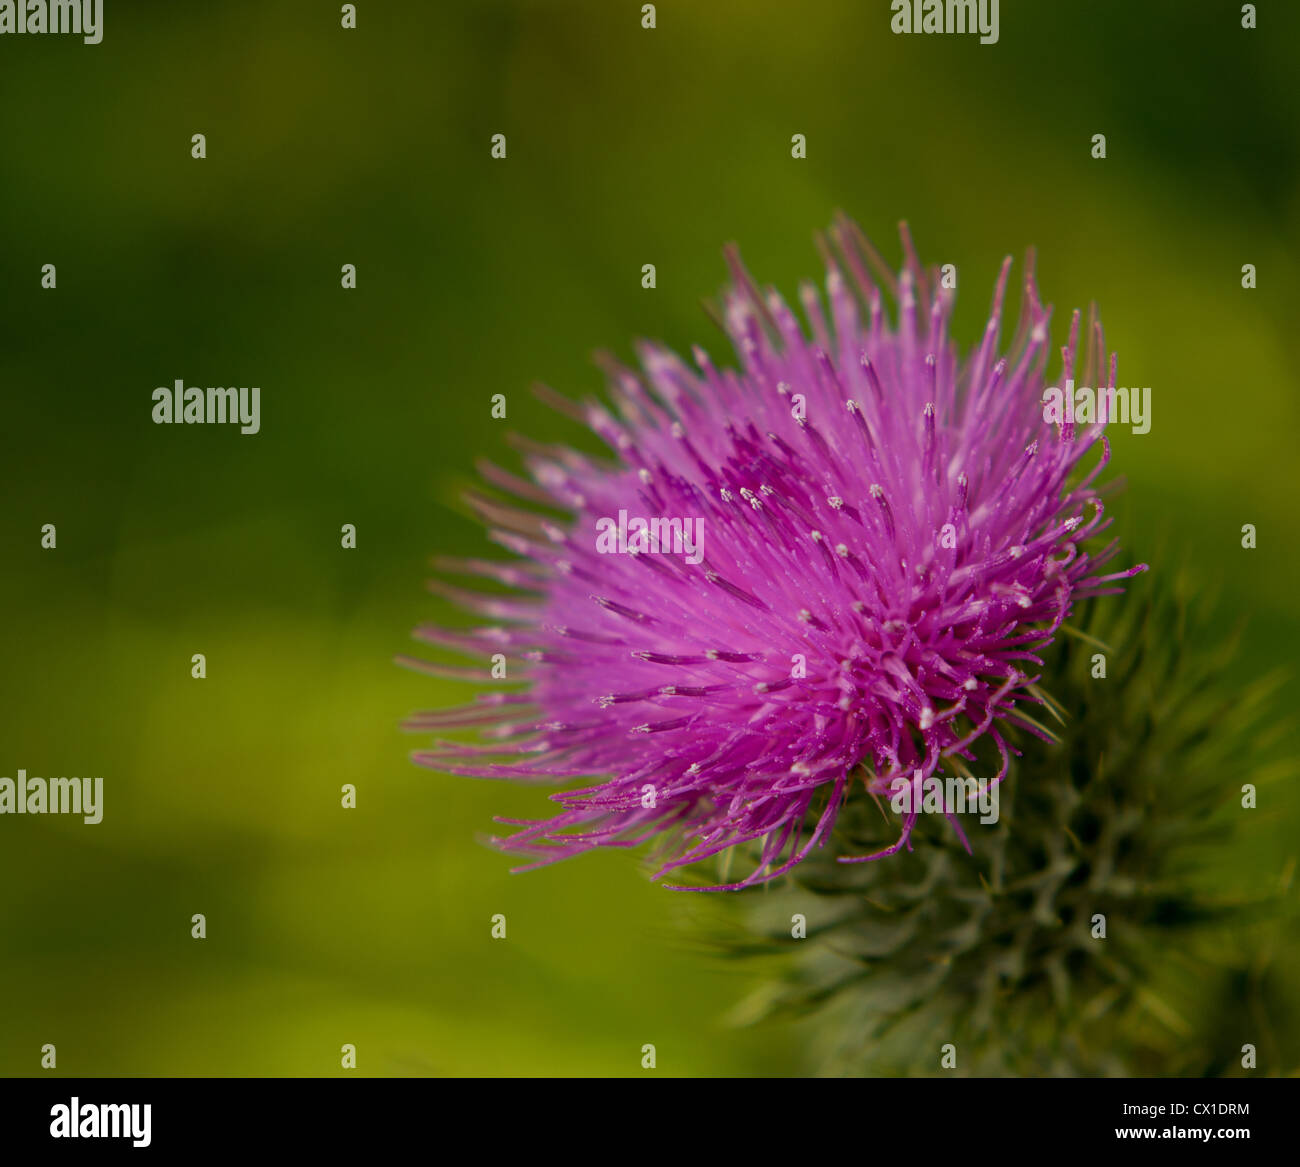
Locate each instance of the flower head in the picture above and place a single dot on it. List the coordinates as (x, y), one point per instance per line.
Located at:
(830, 569)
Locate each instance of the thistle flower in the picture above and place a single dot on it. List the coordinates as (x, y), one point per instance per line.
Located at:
(877, 537)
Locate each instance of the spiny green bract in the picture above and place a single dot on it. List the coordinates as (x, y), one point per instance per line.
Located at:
(997, 952)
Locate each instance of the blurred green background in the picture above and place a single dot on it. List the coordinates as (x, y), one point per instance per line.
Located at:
(476, 276)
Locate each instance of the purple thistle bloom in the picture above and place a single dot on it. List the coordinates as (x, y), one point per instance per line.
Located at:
(841, 564)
